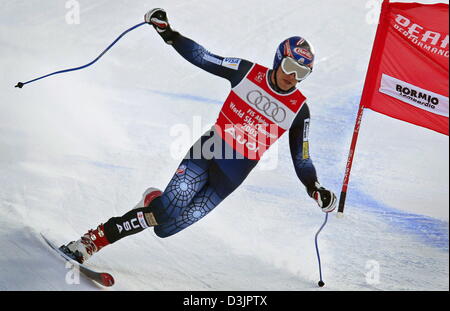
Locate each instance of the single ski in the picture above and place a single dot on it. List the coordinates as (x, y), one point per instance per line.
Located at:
(102, 278)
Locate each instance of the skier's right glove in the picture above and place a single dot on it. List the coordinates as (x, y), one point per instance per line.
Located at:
(158, 19)
(326, 199)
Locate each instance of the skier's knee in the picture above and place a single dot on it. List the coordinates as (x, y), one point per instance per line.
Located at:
(158, 211)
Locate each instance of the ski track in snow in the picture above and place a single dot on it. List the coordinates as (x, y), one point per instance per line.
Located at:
(79, 148)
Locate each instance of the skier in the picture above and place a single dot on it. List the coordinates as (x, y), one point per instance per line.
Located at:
(262, 105)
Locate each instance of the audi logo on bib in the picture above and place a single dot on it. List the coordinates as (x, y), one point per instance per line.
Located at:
(254, 116)
(268, 107)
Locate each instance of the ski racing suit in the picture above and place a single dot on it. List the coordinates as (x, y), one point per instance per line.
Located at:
(255, 114)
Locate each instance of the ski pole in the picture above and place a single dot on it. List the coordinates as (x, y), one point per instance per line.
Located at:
(321, 283)
(22, 84)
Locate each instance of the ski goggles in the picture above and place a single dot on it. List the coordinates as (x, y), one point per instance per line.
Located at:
(290, 65)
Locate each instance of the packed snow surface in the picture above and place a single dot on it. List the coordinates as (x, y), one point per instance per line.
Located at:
(79, 148)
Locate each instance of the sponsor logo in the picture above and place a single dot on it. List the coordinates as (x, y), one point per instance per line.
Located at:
(304, 53)
(432, 41)
(305, 150)
(265, 105)
(414, 95)
(232, 63)
(260, 77)
(417, 96)
(141, 219)
(306, 130)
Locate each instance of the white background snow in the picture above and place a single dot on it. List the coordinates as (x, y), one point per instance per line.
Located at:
(79, 148)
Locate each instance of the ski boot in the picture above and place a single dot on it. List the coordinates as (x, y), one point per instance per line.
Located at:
(90, 243)
(94, 240)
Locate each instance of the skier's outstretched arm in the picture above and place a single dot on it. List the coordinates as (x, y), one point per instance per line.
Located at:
(304, 167)
(299, 145)
(232, 69)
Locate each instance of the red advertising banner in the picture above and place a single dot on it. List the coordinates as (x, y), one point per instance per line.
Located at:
(408, 76)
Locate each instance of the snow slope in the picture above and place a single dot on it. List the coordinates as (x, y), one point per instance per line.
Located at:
(79, 148)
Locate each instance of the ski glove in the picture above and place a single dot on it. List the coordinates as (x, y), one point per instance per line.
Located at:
(326, 199)
(158, 19)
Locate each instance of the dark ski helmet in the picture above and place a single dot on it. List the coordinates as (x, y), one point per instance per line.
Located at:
(296, 48)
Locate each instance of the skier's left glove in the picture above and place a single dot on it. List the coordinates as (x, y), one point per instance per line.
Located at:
(326, 199)
(158, 19)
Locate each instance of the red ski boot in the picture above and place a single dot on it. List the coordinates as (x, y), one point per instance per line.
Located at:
(94, 240)
(89, 244)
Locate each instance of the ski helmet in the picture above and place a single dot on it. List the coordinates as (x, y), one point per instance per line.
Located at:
(297, 48)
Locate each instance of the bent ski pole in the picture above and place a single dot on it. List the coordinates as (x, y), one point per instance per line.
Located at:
(22, 84)
(320, 283)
